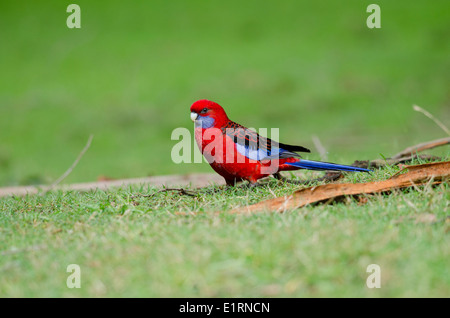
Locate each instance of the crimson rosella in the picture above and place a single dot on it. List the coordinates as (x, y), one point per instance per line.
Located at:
(238, 153)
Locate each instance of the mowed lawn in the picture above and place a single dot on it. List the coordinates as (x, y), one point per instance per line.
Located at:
(130, 245)
(128, 77)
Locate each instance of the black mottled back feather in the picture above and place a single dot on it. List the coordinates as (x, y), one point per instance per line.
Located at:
(293, 148)
(246, 137)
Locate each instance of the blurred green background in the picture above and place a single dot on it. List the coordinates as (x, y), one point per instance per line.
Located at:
(130, 74)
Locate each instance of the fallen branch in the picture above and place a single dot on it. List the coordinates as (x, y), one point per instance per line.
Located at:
(430, 173)
(378, 163)
(404, 156)
(421, 147)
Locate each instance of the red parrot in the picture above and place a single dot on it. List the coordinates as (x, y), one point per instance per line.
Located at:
(238, 153)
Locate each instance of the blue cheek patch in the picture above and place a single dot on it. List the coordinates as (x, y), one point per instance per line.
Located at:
(204, 122)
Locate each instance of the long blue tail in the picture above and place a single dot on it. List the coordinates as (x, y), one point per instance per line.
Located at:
(317, 165)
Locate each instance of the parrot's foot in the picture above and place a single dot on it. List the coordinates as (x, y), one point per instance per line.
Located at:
(252, 185)
(233, 184)
(239, 186)
(249, 185)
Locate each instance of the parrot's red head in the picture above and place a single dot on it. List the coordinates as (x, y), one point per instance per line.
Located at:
(206, 114)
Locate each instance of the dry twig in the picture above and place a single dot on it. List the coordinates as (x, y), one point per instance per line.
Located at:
(437, 121)
(181, 191)
(68, 171)
(421, 147)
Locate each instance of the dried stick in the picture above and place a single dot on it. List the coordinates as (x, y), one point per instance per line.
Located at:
(180, 191)
(437, 121)
(320, 148)
(68, 171)
(421, 147)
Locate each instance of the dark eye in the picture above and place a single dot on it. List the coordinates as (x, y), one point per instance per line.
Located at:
(204, 110)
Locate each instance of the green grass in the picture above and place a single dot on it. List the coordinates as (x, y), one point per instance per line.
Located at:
(128, 244)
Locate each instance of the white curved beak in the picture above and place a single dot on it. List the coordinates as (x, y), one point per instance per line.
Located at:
(194, 116)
